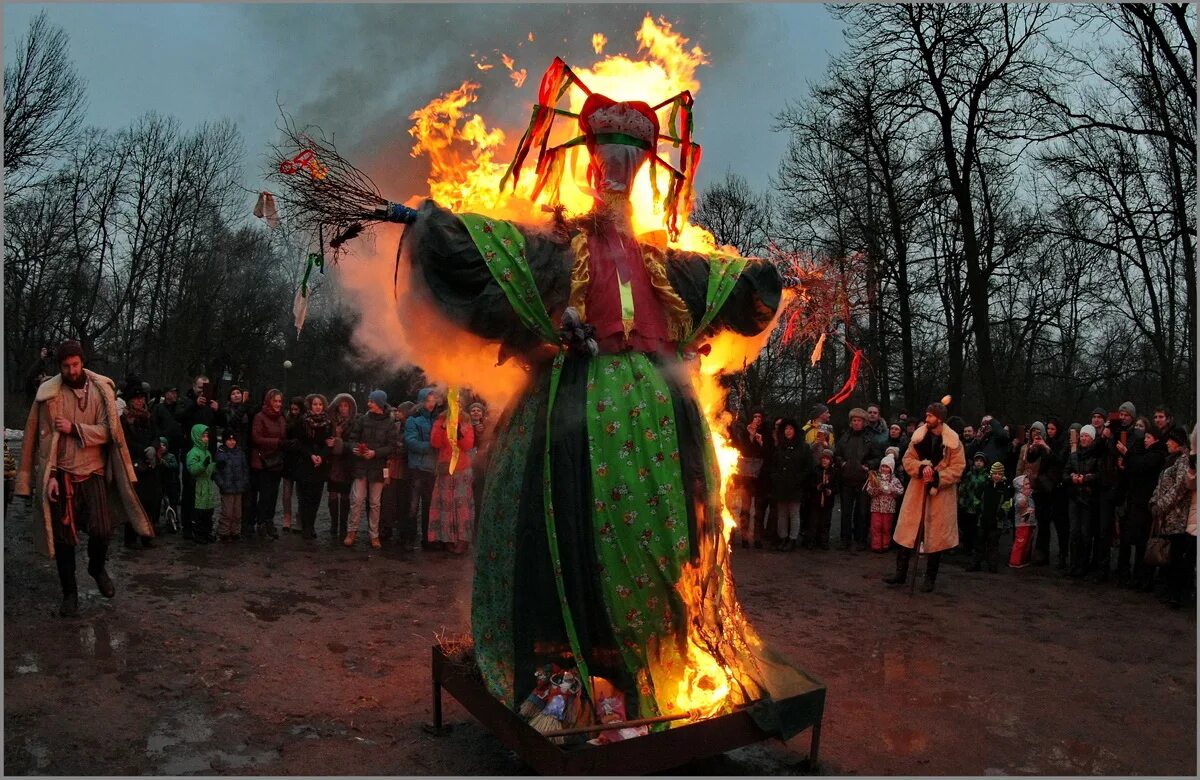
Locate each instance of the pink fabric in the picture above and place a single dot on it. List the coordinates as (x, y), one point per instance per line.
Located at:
(612, 254)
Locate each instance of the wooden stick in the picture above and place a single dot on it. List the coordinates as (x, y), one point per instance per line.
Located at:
(618, 725)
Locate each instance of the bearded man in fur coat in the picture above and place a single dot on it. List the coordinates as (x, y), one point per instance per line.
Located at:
(935, 461)
(76, 467)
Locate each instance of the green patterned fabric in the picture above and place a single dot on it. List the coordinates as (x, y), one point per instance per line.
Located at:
(640, 518)
(495, 553)
(503, 248)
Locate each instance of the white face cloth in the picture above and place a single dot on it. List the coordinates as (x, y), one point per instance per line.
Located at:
(618, 165)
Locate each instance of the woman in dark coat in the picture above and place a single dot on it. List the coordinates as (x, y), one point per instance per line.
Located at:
(311, 467)
(790, 467)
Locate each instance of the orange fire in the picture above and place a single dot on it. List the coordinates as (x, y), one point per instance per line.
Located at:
(466, 166)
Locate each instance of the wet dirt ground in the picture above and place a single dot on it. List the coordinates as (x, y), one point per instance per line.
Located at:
(305, 658)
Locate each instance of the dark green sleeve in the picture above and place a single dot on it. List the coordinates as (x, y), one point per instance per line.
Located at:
(750, 306)
(450, 270)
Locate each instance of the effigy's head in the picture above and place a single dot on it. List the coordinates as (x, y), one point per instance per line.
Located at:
(620, 137)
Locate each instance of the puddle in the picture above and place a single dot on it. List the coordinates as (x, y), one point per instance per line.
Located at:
(38, 752)
(179, 745)
(29, 664)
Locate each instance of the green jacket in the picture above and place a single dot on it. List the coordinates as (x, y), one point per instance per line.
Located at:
(970, 490)
(201, 466)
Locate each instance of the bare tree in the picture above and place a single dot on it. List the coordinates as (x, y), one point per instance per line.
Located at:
(43, 102)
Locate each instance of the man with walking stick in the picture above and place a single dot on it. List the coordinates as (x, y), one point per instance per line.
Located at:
(935, 461)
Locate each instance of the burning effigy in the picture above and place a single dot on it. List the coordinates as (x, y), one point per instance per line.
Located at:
(603, 591)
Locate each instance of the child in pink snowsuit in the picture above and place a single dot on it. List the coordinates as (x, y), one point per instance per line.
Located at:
(884, 488)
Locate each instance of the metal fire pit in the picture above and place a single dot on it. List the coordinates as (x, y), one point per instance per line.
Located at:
(655, 752)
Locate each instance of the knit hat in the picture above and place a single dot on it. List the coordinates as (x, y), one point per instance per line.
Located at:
(998, 468)
(379, 398)
(858, 412)
(888, 461)
(825, 453)
(133, 389)
(937, 409)
(1179, 435)
(980, 456)
(817, 411)
(471, 408)
(1128, 407)
(406, 407)
(1099, 410)
(894, 452)
(1039, 427)
(1087, 430)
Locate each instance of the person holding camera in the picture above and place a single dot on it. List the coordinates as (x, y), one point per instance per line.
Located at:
(199, 408)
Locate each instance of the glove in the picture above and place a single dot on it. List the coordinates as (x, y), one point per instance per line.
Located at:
(398, 212)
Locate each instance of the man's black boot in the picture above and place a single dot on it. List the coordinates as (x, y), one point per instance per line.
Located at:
(64, 559)
(902, 557)
(97, 556)
(933, 561)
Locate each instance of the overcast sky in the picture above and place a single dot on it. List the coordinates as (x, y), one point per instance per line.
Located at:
(359, 70)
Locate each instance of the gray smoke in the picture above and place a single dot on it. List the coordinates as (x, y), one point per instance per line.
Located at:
(365, 68)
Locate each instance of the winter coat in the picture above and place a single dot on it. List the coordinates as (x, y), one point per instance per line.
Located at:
(375, 432)
(1052, 465)
(201, 466)
(970, 490)
(268, 438)
(1086, 462)
(341, 467)
(853, 451)
(1170, 505)
(233, 472)
(291, 453)
(142, 440)
(1143, 465)
(189, 414)
(1029, 462)
(883, 492)
(167, 424)
(1024, 509)
(819, 481)
(310, 441)
(878, 432)
(790, 468)
(995, 443)
(39, 458)
(417, 431)
(397, 463)
(940, 511)
(995, 500)
(751, 452)
(441, 442)
(237, 419)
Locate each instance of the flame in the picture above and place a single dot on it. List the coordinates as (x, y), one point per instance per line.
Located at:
(518, 77)
(465, 171)
(507, 60)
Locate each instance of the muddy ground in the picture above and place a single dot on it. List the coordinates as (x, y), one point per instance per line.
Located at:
(294, 658)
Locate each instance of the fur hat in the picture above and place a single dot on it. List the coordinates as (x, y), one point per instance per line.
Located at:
(1128, 407)
(1087, 430)
(858, 412)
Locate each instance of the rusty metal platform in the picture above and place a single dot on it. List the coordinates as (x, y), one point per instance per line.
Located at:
(655, 752)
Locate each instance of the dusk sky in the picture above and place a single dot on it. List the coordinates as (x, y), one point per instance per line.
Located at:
(359, 70)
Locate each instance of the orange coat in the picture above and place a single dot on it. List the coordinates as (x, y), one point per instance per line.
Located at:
(941, 521)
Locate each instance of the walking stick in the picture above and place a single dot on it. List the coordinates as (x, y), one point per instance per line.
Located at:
(920, 536)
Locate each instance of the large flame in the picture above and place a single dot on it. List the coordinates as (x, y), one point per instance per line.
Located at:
(466, 166)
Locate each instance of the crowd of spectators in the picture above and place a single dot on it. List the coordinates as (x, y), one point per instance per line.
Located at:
(228, 467)
(1067, 493)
